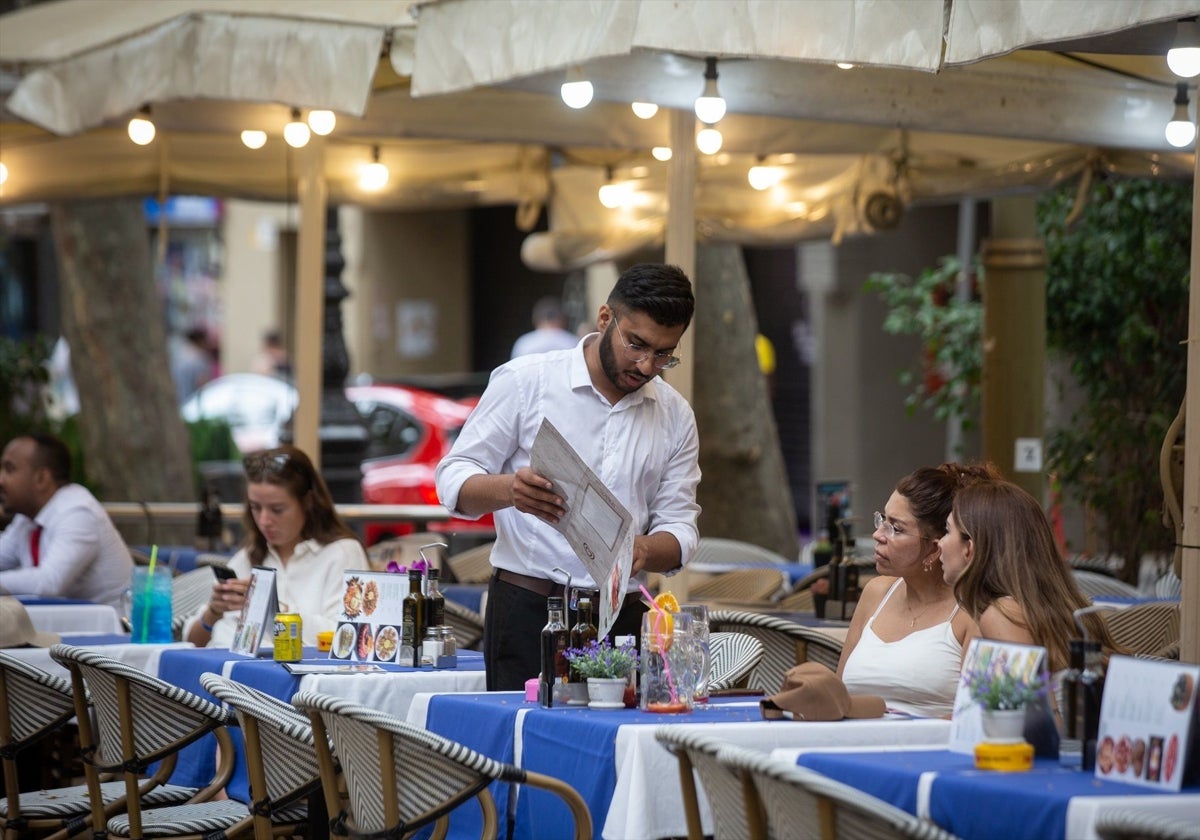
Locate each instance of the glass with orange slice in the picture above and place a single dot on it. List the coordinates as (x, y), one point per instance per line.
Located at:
(667, 678)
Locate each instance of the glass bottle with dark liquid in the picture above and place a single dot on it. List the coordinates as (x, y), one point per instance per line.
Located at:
(583, 633)
(435, 601)
(414, 621)
(555, 638)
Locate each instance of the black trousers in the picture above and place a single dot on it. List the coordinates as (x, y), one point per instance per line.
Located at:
(513, 630)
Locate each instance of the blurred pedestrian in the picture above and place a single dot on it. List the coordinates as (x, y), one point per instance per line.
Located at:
(549, 330)
(273, 359)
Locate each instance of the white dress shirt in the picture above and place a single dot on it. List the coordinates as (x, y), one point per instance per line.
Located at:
(81, 554)
(644, 449)
(310, 584)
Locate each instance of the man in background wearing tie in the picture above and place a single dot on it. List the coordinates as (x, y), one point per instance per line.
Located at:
(60, 542)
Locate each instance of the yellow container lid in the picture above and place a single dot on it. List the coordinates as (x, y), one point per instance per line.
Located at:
(1005, 758)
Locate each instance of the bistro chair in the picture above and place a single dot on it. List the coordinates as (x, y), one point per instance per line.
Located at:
(734, 656)
(281, 760)
(190, 591)
(1126, 824)
(141, 720)
(800, 804)
(1145, 628)
(726, 799)
(473, 565)
(400, 777)
(466, 624)
(1095, 585)
(32, 705)
(754, 585)
(785, 644)
(717, 554)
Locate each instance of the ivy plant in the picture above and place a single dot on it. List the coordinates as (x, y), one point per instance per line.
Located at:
(946, 381)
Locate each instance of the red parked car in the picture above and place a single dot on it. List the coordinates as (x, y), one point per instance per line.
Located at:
(409, 430)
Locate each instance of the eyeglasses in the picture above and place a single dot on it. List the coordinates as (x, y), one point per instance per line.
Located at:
(270, 462)
(637, 354)
(889, 530)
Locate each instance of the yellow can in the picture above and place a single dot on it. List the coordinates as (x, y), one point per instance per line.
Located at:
(289, 644)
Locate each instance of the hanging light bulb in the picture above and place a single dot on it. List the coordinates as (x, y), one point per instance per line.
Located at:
(321, 122)
(845, 65)
(709, 140)
(254, 139)
(1181, 131)
(576, 91)
(141, 129)
(710, 107)
(3, 173)
(373, 176)
(1184, 56)
(295, 132)
(762, 177)
(644, 110)
(662, 153)
(611, 195)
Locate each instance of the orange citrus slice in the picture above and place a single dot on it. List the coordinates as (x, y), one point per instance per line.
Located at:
(662, 624)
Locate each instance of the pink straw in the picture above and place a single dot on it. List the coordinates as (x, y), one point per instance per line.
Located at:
(662, 646)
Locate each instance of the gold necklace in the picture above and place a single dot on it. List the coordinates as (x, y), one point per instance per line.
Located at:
(912, 619)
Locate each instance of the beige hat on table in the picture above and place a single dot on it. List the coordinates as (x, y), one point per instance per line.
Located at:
(813, 692)
(16, 628)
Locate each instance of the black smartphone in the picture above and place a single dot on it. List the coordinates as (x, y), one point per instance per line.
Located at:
(224, 572)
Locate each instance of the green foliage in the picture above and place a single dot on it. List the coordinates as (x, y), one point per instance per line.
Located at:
(23, 378)
(210, 439)
(600, 659)
(947, 381)
(1116, 304)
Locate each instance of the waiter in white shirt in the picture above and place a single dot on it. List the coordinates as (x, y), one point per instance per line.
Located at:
(636, 432)
(61, 542)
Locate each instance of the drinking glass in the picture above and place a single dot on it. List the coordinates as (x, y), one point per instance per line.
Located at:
(668, 663)
(150, 605)
(702, 649)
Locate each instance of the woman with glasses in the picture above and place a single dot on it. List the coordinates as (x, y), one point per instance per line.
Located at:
(999, 554)
(293, 528)
(907, 637)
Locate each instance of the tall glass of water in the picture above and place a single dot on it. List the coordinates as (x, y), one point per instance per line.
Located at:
(703, 650)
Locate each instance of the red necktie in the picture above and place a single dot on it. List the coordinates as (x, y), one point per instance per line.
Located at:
(35, 543)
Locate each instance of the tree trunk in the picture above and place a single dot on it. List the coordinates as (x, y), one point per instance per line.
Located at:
(744, 493)
(134, 440)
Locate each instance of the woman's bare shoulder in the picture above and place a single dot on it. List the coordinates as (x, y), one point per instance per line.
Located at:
(1004, 620)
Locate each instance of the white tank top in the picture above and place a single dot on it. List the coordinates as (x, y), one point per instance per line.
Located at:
(916, 675)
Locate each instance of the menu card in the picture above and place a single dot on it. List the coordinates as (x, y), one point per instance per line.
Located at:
(1025, 661)
(372, 615)
(258, 613)
(1146, 721)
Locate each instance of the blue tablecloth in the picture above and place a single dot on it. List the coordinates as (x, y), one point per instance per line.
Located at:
(470, 595)
(184, 667)
(49, 601)
(971, 803)
(575, 744)
(88, 640)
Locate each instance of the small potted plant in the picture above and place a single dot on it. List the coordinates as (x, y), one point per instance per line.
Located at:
(606, 669)
(1003, 692)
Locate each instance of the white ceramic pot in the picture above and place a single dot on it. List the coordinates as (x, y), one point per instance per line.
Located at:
(606, 693)
(1004, 725)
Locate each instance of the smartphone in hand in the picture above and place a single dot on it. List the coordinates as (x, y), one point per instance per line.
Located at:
(224, 573)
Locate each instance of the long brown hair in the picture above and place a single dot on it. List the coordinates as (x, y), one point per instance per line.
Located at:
(1016, 556)
(289, 468)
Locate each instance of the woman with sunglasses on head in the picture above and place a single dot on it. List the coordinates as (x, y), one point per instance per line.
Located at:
(907, 637)
(292, 528)
(999, 554)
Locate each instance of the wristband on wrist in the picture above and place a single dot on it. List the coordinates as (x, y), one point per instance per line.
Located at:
(208, 628)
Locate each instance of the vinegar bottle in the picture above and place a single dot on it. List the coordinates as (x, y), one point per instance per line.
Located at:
(1091, 691)
(413, 624)
(1070, 746)
(555, 637)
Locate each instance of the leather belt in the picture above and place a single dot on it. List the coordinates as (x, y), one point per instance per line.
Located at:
(540, 586)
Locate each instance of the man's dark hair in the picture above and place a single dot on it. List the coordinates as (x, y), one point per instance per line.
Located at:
(661, 291)
(53, 454)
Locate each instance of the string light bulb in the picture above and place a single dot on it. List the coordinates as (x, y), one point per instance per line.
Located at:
(644, 110)
(611, 195)
(576, 90)
(845, 65)
(662, 153)
(321, 122)
(710, 106)
(709, 140)
(1181, 131)
(3, 173)
(252, 138)
(763, 177)
(373, 176)
(1184, 56)
(141, 129)
(296, 133)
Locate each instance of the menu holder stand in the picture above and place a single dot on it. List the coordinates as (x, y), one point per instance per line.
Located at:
(258, 613)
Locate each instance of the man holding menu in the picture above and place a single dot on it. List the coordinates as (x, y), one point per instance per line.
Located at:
(634, 431)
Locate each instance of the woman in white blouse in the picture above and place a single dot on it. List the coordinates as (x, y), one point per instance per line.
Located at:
(293, 528)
